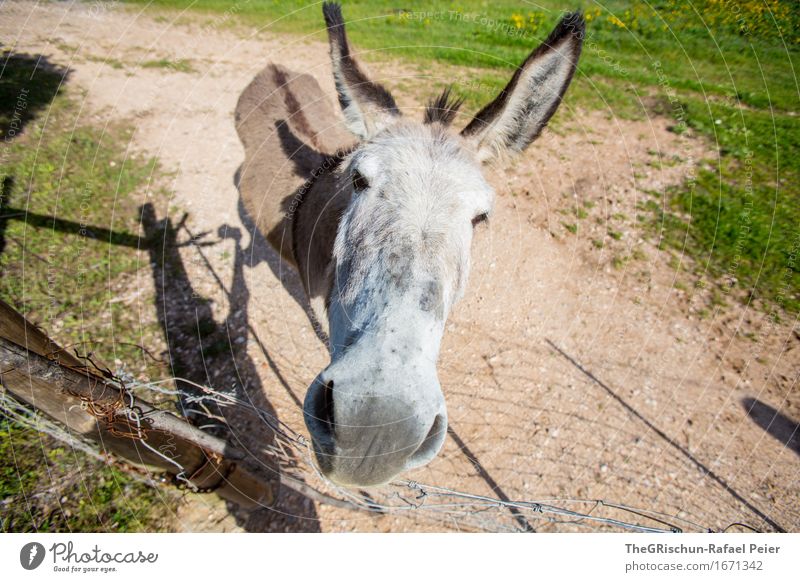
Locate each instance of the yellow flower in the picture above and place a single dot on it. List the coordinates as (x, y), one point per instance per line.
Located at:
(517, 20)
(616, 21)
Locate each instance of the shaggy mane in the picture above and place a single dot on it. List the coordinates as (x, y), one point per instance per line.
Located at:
(444, 108)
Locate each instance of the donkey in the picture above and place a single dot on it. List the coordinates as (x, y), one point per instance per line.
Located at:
(379, 228)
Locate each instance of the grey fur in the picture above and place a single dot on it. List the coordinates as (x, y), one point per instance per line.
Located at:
(380, 232)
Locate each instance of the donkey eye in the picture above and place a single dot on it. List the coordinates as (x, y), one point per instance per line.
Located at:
(359, 182)
(479, 219)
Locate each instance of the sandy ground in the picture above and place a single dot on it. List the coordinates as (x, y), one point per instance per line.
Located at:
(642, 405)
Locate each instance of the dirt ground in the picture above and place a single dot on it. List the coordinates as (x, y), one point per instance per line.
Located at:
(580, 365)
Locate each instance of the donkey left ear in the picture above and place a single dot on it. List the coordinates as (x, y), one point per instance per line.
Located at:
(368, 107)
(519, 113)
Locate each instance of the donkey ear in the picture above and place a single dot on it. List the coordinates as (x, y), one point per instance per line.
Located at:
(368, 107)
(519, 113)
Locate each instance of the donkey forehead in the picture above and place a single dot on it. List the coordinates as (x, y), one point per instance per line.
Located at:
(413, 158)
(413, 224)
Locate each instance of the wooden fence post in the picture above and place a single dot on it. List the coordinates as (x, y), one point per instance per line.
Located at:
(37, 371)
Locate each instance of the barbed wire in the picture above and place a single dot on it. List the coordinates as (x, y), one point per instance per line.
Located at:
(463, 509)
(460, 509)
(291, 453)
(25, 416)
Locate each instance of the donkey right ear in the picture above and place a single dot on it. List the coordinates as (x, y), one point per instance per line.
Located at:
(519, 113)
(368, 107)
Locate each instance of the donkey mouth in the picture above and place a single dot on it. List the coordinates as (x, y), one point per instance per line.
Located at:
(373, 467)
(366, 441)
(431, 444)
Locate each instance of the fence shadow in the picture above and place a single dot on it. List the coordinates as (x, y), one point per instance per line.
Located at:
(780, 427)
(214, 354)
(490, 481)
(706, 470)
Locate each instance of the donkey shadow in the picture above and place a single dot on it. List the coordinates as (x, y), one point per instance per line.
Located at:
(201, 350)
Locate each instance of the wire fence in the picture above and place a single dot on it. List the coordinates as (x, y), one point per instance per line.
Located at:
(599, 431)
(582, 446)
(435, 506)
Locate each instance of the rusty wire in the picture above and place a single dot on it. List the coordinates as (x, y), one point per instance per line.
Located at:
(435, 504)
(454, 508)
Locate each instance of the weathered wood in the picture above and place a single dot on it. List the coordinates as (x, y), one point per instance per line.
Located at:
(15, 328)
(58, 384)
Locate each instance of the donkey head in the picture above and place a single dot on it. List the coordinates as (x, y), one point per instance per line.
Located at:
(402, 251)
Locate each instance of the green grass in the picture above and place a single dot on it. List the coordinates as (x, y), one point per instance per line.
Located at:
(113, 63)
(571, 227)
(740, 216)
(180, 65)
(480, 33)
(698, 62)
(69, 195)
(67, 210)
(46, 487)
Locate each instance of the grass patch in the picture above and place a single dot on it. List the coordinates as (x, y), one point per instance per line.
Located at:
(68, 193)
(698, 45)
(571, 227)
(179, 65)
(739, 216)
(68, 244)
(113, 63)
(619, 262)
(46, 487)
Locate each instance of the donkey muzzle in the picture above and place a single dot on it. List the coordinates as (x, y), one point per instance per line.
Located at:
(365, 432)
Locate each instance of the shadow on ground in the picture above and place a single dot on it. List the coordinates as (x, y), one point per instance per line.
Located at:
(204, 351)
(780, 427)
(28, 83)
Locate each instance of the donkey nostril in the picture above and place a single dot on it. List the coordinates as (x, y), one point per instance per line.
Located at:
(431, 443)
(326, 414)
(319, 414)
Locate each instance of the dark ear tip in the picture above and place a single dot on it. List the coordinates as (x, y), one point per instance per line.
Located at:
(572, 23)
(332, 11)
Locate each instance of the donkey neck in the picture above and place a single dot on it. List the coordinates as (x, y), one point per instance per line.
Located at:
(313, 224)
